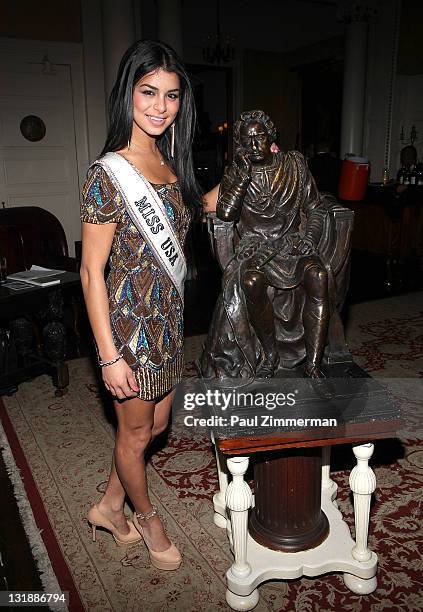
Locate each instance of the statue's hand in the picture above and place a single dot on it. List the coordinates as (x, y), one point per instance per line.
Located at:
(242, 164)
(304, 246)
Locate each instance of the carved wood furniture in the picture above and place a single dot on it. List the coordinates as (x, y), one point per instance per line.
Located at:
(30, 235)
(390, 226)
(32, 333)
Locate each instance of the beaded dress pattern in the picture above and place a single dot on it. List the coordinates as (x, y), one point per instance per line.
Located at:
(146, 311)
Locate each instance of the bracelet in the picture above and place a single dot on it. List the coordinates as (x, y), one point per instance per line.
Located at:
(147, 515)
(103, 364)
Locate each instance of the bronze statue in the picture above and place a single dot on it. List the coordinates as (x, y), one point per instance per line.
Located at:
(274, 307)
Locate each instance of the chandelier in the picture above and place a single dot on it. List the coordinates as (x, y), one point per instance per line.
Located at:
(219, 48)
(349, 11)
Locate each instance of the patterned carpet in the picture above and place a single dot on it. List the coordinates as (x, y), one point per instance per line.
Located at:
(67, 442)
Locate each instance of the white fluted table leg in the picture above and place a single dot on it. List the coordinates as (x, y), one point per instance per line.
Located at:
(363, 484)
(238, 500)
(328, 485)
(219, 498)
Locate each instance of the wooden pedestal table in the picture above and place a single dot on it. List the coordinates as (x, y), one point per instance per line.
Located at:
(292, 527)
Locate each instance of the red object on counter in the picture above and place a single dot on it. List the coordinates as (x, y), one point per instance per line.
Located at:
(354, 178)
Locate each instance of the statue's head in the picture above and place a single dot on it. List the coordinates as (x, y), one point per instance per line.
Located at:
(254, 133)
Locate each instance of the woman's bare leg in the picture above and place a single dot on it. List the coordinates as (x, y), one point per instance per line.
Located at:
(112, 502)
(153, 530)
(138, 423)
(161, 414)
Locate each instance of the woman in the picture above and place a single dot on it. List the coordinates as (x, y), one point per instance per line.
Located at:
(134, 203)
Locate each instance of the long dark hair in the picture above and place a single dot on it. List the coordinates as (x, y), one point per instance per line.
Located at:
(141, 58)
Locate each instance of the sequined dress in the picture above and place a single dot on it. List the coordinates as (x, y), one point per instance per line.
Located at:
(146, 311)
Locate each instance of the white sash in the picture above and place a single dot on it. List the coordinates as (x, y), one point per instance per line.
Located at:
(149, 216)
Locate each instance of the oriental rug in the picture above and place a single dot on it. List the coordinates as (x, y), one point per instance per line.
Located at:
(63, 446)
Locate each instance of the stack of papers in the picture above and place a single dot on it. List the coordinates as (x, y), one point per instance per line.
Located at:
(38, 276)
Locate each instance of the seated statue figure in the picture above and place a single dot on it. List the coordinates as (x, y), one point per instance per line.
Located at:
(274, 308)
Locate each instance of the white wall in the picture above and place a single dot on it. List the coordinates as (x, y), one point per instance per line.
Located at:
(70, 141)
(93, 76)
(382, 33)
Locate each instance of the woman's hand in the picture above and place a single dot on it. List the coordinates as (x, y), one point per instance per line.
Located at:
(210, 200)
(119, 379)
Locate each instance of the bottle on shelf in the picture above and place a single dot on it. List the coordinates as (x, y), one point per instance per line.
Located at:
(401, 175)
(385, 176)
(419, 173)
(413, 175)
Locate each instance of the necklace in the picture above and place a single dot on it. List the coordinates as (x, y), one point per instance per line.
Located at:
(162, 161)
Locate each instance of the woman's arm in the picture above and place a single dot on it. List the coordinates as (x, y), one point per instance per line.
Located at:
(210, 199)
(96, 244)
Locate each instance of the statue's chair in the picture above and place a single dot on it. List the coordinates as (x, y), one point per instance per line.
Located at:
(335, 249)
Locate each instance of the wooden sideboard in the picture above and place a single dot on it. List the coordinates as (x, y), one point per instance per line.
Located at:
(388, 223)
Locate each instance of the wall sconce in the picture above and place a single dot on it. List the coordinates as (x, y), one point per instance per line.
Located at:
(413, 135)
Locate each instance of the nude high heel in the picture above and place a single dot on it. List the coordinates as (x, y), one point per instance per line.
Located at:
(169, 559)
(97, 519)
